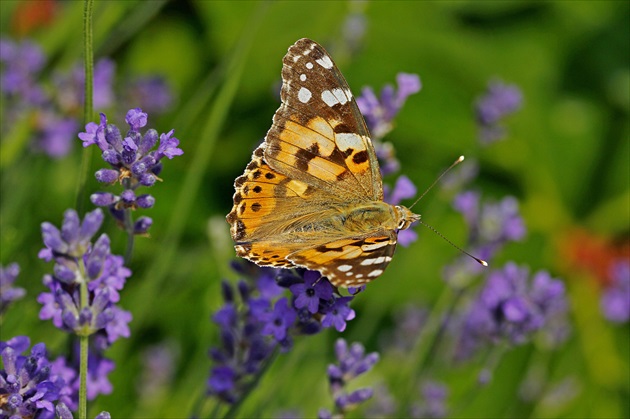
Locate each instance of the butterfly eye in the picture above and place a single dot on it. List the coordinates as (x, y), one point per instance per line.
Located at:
(401, 224)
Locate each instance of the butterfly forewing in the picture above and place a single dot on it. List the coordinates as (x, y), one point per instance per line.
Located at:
(318, 133)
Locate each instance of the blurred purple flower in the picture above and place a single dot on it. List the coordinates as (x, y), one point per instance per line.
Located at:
(432, 404)
(491, 225)
(9, 293)
(511, 307)
(615, 300)
(499, 101)
(351, 363)
(152, 92)
(21, 64)
(403, 189)
(379, 113)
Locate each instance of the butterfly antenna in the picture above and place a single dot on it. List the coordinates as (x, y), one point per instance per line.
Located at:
(480, 261)
(455, 163)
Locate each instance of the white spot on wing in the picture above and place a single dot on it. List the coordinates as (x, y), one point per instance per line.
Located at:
(304, 95)
(329, 98)
(348, 140)
(375, 272)
(309, 65)
(303, 77)
(325, 62)
(373, 246)
(368, 261)
(341, 96)
(344, 268)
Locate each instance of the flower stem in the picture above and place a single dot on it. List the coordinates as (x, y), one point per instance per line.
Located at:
(88, 109)
(83, 348)
(88, 105)
(130, 235)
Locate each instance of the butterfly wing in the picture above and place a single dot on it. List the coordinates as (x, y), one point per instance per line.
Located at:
(318, 134)
(349, 262)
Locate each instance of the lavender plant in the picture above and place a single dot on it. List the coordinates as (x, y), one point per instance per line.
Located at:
(499, 101)
(351, 363)
(134, 164)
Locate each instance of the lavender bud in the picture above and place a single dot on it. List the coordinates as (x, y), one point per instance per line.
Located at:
(145, 201)
(103, 199)
(106, 176)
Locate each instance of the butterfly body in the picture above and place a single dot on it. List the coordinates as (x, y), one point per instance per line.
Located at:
(312, 196)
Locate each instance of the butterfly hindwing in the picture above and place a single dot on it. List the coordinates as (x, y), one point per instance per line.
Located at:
(349, 262)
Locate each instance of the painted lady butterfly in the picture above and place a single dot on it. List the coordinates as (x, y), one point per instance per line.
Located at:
(312, 195)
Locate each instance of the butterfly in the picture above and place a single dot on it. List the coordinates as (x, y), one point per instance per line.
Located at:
(312, 196)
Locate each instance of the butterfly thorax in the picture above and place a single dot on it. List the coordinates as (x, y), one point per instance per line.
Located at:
(373, 216)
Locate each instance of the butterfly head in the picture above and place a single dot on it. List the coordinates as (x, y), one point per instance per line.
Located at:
(404, 217)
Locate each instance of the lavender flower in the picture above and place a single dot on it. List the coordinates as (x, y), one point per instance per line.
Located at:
(615, 300)
(309, 293)
(28, 387)
(491, 226)
(134, 163)
(55, 112)
(499, 101)
(351, 363)
(379, 114)
(432, 404)
(511, 307)
(265, 320)
(9, 293)
(21, 63)
(77, 262)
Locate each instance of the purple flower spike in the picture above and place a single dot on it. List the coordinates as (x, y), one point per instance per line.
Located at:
(9, 293)
(351, 363)
(379, 114)
(512, 307)
(615, 300)
(499, 101)
(133, 163)
(79, 261)
(29, 389)
(432, 402)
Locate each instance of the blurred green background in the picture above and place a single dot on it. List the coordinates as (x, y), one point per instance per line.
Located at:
(566, 159)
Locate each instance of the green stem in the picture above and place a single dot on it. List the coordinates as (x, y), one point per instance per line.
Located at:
(88, 105)
(84, 340)
(88, 109)
(130, 235)
(426, 341)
